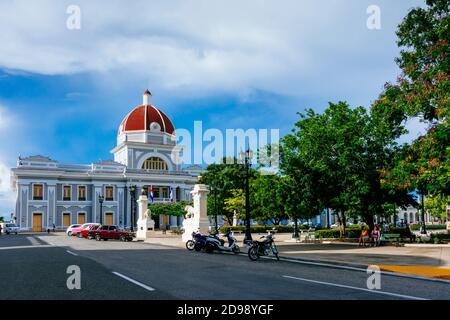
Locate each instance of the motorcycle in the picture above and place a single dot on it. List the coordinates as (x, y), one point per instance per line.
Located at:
(198, 241)
(263, 248)
(215, 243)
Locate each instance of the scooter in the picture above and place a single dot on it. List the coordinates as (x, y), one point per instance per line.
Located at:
(215, 243)
(198, 241)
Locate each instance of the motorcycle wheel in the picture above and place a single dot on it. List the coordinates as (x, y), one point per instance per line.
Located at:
(275, 252)
(209, 248)
(190, 245)
(253, 253)
(236, 249)
(198, 247)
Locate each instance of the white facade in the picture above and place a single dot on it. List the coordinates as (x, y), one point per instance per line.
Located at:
(48, 192)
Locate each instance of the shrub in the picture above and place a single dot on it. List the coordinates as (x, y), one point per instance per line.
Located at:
(350, 232)
(416, 227)
(402, 231)
(257, 229)
(440, 238)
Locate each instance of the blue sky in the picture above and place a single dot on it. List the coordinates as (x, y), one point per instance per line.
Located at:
(231, 64)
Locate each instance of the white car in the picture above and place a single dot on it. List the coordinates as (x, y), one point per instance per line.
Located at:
(69, 229)
(9, 228)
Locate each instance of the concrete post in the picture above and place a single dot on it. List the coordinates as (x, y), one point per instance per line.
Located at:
(145, 221)
(198, 220)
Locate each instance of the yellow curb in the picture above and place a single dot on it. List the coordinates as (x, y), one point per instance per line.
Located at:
(424, 271)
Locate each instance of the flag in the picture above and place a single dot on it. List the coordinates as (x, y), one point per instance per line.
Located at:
(151, 193)
(171, 194)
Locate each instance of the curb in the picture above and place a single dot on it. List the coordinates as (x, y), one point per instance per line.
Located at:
(335, 264)
(356, 267)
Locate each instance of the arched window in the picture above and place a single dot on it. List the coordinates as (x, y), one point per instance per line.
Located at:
(154, 163)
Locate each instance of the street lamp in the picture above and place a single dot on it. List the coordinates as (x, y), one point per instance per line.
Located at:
(246, 159)
(213, 189)
(133, 200)
(100, 200)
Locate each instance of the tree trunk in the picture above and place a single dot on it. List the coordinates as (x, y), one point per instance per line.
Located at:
(344, 224)
(423, 229)
(295, 228)
(328, 218)
(341, 220)
(369, 221)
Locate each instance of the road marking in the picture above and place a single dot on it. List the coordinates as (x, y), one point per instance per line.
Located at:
(33, 241)
(336, 266)
(356, 288)
(26, 247)
(329, 265)
(134, 281)
(72, 253)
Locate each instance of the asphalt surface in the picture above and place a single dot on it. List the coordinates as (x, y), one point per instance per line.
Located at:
(34, 266)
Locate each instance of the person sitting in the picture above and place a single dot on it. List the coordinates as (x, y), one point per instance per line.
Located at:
(376, 236)
(364, 237)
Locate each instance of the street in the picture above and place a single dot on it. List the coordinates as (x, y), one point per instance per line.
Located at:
(34, 266)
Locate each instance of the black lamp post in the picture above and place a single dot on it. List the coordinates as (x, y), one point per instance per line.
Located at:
(213, 189)
(133, 204)
(423, 229)
(100, 200)
(246, 158)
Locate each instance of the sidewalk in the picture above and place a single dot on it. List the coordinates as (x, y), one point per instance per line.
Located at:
(423, 260)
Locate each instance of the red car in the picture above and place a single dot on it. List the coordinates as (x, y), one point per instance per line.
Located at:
(84, 232)
(106, 232)
(77, 230)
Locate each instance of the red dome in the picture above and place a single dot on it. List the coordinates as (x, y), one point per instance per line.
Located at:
(142, 117)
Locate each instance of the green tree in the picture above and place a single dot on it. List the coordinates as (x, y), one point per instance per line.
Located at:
(269, 195)
(227, 177)
(437, 206)
(337, 158)
(168, 208)
(236, 203)
(422, 91)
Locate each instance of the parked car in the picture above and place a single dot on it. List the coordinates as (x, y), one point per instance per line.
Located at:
(84, 233)
(70, 228)
(77, 231)
(9, 228)
(106, 232)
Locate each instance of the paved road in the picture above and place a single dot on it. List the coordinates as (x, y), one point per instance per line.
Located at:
(34, 266)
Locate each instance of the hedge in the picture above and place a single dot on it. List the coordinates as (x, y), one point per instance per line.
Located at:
(416, 227)
(440, 238)
(350, 232)
(257, 229)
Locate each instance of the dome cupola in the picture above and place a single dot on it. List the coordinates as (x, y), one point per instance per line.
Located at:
(146, 117)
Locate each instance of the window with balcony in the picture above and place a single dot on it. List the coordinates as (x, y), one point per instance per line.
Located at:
(109, 193)
(81, 193)
(66, 193)
(156, 193)
(38, 192)
(165, 192)
(155, 163)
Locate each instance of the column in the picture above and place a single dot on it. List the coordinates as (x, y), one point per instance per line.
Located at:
(98, 190)
(51, 210)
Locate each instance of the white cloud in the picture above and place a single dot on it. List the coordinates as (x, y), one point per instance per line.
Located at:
(7, 195)
(293, 48)
(5, 119)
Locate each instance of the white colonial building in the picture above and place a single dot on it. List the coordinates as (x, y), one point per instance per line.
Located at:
(50, 193)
